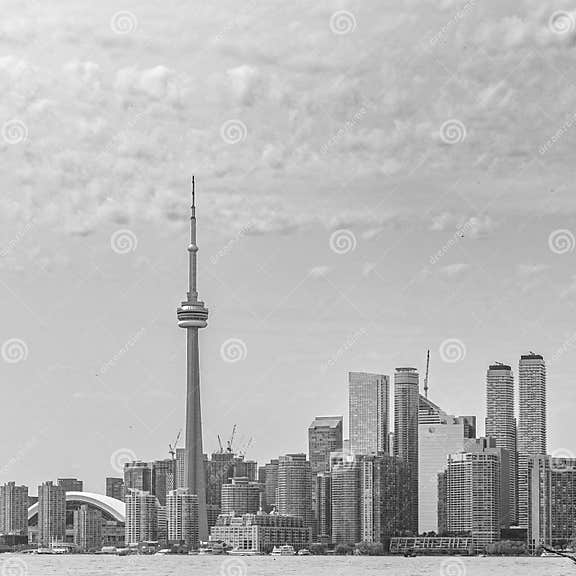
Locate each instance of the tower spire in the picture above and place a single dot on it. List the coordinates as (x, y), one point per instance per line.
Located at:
(193, 249)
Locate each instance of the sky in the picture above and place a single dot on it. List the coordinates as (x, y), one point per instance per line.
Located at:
(375, 178)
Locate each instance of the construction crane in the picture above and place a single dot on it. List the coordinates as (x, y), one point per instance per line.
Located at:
(242, 452)
(172, 447)
(427, 375)
(231, 441)
(220, 444)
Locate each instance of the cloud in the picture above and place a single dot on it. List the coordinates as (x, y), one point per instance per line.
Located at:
(319, 272)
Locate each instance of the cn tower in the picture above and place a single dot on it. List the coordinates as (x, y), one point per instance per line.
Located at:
(193, 315)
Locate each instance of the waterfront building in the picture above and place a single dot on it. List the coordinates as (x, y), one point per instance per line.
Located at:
(115, 488)
(439, 435)
(182, 514)
(138, 476)
(141, 517)
(163, 478)
(433, 545)
(180, 468)
(323, 507)
(531, 423)
(271, 485)
(295, 488)
(13, 509)
(406, 407)
(241, 497)
(345, 492)
(193, 316)
(324, 437)
(473, 483)
(501, 424)
(51, 515)
(368, 396)
(261, 532)
(87, 528)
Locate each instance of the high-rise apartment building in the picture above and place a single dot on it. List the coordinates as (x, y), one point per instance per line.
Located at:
(13, 509)
(406, 406)
(345, 491)
(323, 507)
(141, 517)
(182, 515)
(115, 488)
(439, 435)
(87, 528)
(163, 479)
(531, 423)
(368, 397)
(138, 476)
(501, 424)
(271, 485)
(324, 437)
(51, 515)
(295, 488)
(71, 484)
(180, 468)
(241, 497)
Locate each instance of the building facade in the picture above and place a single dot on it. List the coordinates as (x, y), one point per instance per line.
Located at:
(88, 528)
(115, 488)
(369, 397)
(501, 424)
(241, 497)
(51, 515)
(260, 532)
(324, 437)
(295, 488)
(141, 517)
(71, 484)
(323, 507)
(182, 517)
(271, 485)
(345, 491)
(138, 476)
(531, 423)
(13, 510)
(163, 479)
(406, 407)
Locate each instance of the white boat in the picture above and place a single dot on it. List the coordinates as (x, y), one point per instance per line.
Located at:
(285, 550)
(239, 552)
(304, 552)
(163, 552)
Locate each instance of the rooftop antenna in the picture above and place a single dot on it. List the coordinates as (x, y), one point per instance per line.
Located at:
(193, 192)
(427, 375)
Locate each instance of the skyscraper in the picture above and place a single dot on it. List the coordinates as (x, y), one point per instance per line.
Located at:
(295, 487)
(324, 437)
(271, 486)
(323, 507)
(51, 515)
(531, 423)
(193, 315)
(501, 424)
(87, 528)
(14, 509)
(406, 405)
(345, 489)
(180, 468)
(115, 488)
(439, 435)
(240, 497)
(71, 484)
(138, 476)
(368, 412)
(182, 513)
(163, 479)
(141, 517)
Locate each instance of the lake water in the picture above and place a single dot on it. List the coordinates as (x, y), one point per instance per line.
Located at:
(24, 565)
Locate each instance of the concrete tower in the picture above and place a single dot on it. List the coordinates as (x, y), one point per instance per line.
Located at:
(193, 315)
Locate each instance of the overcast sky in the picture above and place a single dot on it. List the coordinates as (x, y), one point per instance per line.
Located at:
(375, 178)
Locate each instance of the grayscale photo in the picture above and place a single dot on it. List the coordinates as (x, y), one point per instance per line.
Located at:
(287, 287)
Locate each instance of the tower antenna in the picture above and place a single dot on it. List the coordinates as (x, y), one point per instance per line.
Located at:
(427, 375)
(193, 192)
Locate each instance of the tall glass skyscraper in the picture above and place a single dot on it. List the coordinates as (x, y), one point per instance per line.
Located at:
(406, 405)
(369, 407)
(531, 423)
(324, 437)
(501, 424)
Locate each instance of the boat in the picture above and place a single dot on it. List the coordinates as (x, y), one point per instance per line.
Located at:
(240, 552)
(304, 552)
(163, 552)
(285, 550)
